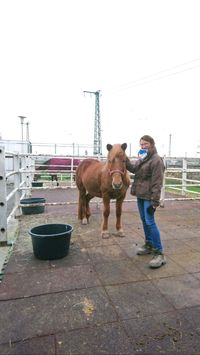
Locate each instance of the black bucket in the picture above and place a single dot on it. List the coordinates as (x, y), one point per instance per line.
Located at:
(32, 209)
(51, 241)
(37, 184)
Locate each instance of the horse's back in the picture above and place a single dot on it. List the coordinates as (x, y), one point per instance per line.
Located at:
(87, 175)
(88, 165)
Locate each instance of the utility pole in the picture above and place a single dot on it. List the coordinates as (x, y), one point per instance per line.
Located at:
(22, 124)
(97, 124)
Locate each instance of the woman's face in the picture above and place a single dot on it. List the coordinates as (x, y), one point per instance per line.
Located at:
(145, 144)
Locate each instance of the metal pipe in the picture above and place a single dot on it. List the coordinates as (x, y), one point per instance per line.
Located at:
(22, 126)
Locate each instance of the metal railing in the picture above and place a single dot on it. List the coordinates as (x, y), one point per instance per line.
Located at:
(21, 170)
(183, 184)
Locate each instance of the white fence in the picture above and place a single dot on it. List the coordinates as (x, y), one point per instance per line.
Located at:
(25, 168)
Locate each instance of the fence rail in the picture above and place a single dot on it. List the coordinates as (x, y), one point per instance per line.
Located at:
(21, 170)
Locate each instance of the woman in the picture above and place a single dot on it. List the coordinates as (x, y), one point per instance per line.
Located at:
(147, 184)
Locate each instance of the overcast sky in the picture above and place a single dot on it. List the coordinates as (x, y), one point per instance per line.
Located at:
(143, 55)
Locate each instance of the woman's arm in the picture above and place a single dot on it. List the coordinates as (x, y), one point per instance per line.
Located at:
(132, 167)
(157, 182)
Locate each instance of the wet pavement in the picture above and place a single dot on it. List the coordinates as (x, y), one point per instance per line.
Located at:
(102, 298)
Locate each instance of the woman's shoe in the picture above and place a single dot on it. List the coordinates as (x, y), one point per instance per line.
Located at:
(145, 249)
(157, 261)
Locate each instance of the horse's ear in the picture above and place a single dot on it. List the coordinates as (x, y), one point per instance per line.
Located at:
(109, 147)
(124, 146)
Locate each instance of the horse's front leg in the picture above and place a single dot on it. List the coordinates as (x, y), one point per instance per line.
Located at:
(106, 212)
(119, 228)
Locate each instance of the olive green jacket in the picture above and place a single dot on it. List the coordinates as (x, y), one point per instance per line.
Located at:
(148, 179)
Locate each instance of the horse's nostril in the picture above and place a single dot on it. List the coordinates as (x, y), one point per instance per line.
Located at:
(117, 186)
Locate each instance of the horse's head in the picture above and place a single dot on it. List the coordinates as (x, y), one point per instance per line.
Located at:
(117, 164)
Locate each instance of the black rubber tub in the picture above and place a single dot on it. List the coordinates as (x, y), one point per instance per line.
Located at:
(51, 241)
(37, 184)
(32, 209)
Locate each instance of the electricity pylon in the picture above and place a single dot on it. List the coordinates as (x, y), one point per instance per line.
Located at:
(97, 124)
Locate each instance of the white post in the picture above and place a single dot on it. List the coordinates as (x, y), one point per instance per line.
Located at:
(162, 195)
(28, 175)
(23, 176)
(170, 145)
(16, 167)
(130, 152)
(72, 169)
(27, 132)
(3, 195)
(184, 176)
(32, 165)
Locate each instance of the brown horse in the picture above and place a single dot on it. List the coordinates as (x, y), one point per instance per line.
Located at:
(108, 180)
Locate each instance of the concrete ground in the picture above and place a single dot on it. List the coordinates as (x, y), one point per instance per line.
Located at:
(102, 298)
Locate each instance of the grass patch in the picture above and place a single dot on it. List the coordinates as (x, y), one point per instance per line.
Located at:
(178, 187)
(59, 177)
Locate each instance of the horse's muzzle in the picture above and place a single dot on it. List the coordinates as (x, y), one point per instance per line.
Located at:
(117, 182)
(117, 186)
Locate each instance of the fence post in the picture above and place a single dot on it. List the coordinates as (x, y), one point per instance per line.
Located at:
(25, 176)
(162, 195)
(17, 179)
(184, 176)
(28, 175)
(3, 195)
(72, 168)
(32, 166)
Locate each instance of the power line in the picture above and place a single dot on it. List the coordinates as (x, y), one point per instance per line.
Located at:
(159, 76)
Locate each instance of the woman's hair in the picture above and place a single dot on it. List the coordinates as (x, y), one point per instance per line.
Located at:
(148, 139)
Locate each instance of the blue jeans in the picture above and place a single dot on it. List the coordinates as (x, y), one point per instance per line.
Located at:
(151, 231)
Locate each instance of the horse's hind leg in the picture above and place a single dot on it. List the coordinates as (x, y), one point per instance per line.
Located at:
(82, 205)
(88, 197)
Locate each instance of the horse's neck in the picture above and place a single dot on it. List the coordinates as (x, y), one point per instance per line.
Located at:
(105, 165)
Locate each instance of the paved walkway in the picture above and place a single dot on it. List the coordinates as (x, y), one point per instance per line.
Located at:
(102, 298)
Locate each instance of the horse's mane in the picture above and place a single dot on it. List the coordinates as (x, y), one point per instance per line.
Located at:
(117, 151)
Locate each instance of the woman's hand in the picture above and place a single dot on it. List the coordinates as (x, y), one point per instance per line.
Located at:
(151, 210)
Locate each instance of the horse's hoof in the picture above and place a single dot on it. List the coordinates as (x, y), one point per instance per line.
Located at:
(120, 234)
(105, 235)
(84, 221)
